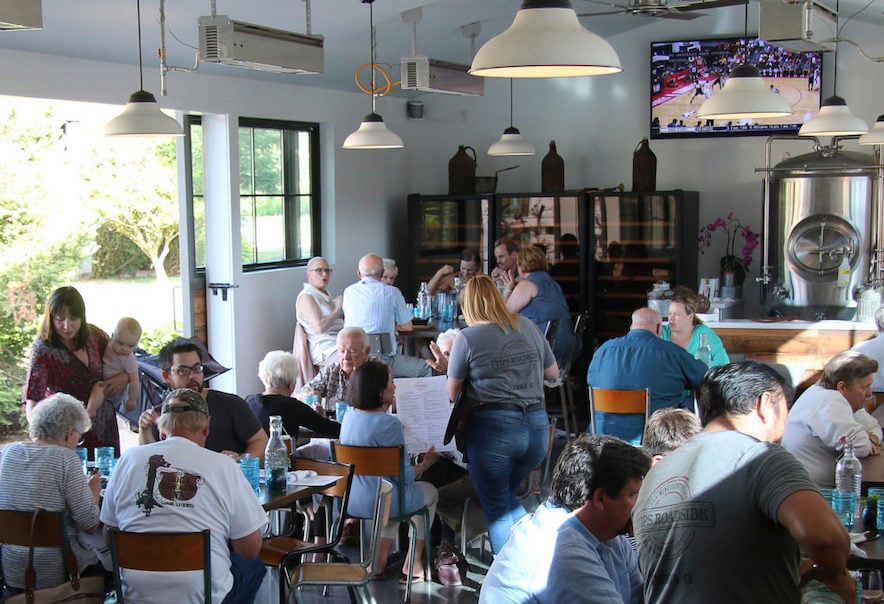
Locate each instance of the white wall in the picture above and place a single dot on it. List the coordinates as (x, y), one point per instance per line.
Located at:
(596, 123)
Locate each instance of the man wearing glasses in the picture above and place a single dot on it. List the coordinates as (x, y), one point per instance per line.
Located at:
(234, 429)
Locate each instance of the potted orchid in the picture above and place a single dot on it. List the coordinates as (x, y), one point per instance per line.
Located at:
(733, 267)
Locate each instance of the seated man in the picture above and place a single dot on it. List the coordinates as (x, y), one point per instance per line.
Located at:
(572, 549)
(235, 429)
(666, 430)
(640, 359)
(145, 494)
(830, 410)
(443, 279)
(874, 349)
(332, 380)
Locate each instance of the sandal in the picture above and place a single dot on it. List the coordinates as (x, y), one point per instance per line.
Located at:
(403, 579)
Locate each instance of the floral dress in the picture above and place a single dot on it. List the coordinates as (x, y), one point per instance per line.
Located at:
(56, 369)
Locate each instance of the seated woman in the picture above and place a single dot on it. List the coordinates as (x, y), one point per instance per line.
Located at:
(46, 473)
(391, 271)
(278, 372)
(319, 314)
(368, 424)
(685, 327)
(539, 298)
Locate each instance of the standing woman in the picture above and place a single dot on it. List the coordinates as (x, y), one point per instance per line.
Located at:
(503, 358)
(685, 327)
(319, 313)
(66, 357)
(538, 297)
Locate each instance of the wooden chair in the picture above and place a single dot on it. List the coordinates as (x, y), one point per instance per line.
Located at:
(280, 552)
(384, 462)
(609, 400)
(351, 575)
(50, 531)
(161, 552)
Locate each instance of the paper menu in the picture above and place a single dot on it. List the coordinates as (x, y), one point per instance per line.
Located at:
(423, 407)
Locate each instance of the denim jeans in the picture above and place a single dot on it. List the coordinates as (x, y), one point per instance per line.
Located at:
(628, 426)
(247, 578)
(504, 446)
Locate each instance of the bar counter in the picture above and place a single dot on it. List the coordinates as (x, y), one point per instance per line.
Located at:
(802, 346)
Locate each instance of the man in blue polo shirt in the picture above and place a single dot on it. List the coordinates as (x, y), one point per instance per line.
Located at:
(638, 360)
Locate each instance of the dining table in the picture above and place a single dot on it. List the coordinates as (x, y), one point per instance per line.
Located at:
(272, 500)
(416, 343)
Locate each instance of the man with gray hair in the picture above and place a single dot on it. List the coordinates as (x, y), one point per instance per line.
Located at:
(726, 516)
(831, 410)
(874, 348)
(178, 485)
(380, 310)
(332, 380)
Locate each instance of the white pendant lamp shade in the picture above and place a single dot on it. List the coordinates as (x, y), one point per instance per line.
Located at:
(373, 134)
(545, 40)
(142, 117)
(834, 119)
(744, 95)
(511, 143)
(875, 136)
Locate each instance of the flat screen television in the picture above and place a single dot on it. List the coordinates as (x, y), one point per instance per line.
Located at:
(685, 73)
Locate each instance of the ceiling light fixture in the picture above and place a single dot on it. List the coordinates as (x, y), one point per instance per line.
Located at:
(545, 40)
(834, 117)
(142, 115)
(744, 95)
(875, 136)
(512, 142)
(373, 132)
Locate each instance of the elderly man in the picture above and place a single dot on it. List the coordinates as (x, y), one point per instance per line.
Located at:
(572, 548)
(235, 429)
(443, 279)
(831, 410)
(380, 310)
(724, 517)
(177, 485)
(332, 380)
(874, 349)
(640, 359)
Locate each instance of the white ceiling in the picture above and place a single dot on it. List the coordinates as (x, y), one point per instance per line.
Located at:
(106, 30)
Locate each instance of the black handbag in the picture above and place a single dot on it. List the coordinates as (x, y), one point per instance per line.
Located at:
(83, 590)
(457, 421)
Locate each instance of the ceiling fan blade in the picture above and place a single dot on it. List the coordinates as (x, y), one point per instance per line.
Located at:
(678, 15)
(621, 7)
(621, 11)
(691, 6)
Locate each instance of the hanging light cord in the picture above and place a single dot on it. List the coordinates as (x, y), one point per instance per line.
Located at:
(373, 89)
(837, 34)
(511, 102)
(140, 66)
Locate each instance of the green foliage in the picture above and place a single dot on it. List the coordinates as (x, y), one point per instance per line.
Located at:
(152, 341)
(116, 255)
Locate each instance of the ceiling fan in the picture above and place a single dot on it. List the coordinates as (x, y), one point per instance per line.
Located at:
(661, 8)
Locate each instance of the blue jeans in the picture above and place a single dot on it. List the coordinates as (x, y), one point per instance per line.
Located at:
(503, 447)
(247, 578)
(628, 426)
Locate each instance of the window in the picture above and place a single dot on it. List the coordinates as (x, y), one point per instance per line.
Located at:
(278, 188)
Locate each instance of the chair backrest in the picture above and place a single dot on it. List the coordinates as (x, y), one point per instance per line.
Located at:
(373, 461)
(161, 552)
(381, 344)
(610, 400)
(581, 324)
(340, 490)
(49, 531)
(301, 350)
(551, 331)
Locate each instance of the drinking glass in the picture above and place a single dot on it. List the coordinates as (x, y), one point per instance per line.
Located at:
(844, 505)
(104, 459)
(83, 454)
(341, 410)
(250, 467)
(870, 579)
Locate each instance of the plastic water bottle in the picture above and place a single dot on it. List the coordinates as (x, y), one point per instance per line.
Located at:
(848, 470)
(704, 351)
(424, 303)
(276, 457)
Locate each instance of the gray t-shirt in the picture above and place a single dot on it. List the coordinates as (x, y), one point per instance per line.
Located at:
(705, 522)
(501, 366)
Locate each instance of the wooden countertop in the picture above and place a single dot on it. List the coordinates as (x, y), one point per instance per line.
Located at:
(793, 325)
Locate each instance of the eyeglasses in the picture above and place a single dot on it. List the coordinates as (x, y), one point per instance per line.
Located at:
(324, 271)
(348, 352)
(185, 371)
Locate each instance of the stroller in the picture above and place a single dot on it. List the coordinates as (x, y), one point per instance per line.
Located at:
(154, 388)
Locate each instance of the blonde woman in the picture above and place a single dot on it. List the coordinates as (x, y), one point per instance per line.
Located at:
(501, 359)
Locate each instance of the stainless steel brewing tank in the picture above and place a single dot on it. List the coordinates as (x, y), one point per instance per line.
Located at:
(820, 214)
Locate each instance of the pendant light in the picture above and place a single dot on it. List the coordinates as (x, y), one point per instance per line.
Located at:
(142, 115)
(834, 117)
(512, 142)
(875, 136)
(545, 40)
(744, 95)
(372, 132)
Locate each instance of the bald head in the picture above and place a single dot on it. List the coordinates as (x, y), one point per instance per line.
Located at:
(647, 319)
(371, 265)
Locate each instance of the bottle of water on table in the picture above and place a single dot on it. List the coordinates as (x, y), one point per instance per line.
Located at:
(276, 457)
